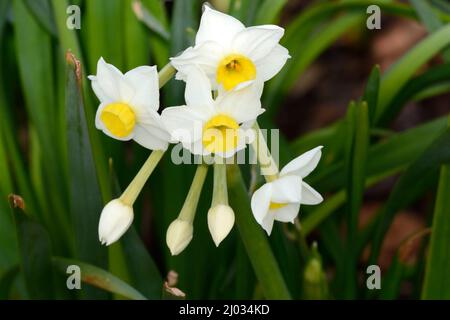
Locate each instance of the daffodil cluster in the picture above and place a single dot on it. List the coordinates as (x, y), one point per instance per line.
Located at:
(224, 72)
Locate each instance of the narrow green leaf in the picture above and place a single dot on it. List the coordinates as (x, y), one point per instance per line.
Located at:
(315, 218)
(159, 46)
(390, 285)
(426, 14)
(388, 155)
(68, 38)
(244, 11)
(99, 278)
(412, 182)
(437, 282)
(34, 55)
(146, 17)
(6, 281)
(42, 11)
(35, 252)
(433, 76)
(430, 19)
(269, 11)
(442, 5)
(355, 167)
(85, 197)
(102, 32)
(8, 246)
(304, 27)
(304, 53)
(69, 41)
(384, 159)
(136, 40)
(4, 9)
(371, 92)
(258, 249)
(143, 272)
(395, 79)
(432, 91)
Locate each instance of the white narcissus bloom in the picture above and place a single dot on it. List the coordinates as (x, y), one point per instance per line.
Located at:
(231, 54)
(207, 126)
(280, 199)
(128, 105)
(115, 220)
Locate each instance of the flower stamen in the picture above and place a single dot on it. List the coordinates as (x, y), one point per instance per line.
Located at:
(276, 205)
(235, 69)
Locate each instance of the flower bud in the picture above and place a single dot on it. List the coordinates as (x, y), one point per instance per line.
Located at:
(178, 236)
(220, 222)
(115, 220)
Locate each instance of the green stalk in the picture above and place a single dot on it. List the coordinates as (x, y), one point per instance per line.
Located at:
(134, 188)
(269, 168)
(258, 249)
(190, 204)
(165, 74)
(220, 192)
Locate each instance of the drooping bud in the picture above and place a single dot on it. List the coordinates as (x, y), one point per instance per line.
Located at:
(220, 222)
(115, 220)
(178, 236)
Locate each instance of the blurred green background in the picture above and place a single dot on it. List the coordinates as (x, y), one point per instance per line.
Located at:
(384, 173)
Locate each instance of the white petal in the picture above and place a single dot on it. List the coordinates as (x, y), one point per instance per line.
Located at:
(243, 105)
(287, 189)
(198, 89)
(196, 147)
(183, 123)
(286, 213)
(261, 201)
(217, 26)
(99, 125)
(257, 42)
(112, 82)
(206, 56)
(270, 65)
(101, 95)
(267, 223)
(151, 133)
(303, 164)
(144, 81)
(309, 195)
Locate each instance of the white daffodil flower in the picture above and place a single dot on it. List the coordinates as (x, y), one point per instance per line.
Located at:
(128, 105)
(281, 199)
(231, 54)
(207, 126)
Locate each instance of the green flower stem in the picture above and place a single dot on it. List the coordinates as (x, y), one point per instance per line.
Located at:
(131, 193)
(190, 204)
(269, 168)
(165, 74)
(134, 188)
(220, 192)
(258, 249)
